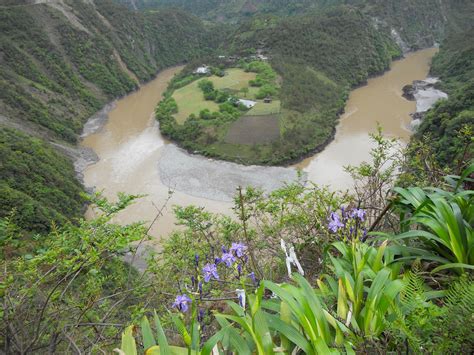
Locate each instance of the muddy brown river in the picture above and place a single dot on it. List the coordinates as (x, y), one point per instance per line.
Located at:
(135, 159)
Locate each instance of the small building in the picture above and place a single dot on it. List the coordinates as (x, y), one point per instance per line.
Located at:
(247, 103)
(202, 70)
(267, 100)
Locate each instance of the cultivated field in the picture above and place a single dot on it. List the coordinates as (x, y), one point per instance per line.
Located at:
(254, 130)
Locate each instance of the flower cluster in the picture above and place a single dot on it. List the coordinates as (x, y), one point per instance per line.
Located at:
(235, 257)
(181, 302)
(350, 221)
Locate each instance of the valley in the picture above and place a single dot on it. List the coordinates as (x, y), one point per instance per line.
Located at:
(236, 177)
(134, 158)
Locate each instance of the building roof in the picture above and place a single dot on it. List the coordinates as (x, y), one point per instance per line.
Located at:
(247, 103)
(202, 70)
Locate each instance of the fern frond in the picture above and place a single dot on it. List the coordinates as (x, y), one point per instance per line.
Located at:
(413, 294)
(461, 294)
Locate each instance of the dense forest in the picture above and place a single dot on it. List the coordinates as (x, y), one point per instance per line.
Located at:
(419, 23)
(385, 268)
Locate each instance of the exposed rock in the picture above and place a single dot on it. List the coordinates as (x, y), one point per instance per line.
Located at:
(409, 92)
(426, 95)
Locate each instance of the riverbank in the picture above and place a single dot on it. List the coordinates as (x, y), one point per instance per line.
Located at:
(380, 101)
(424, 93)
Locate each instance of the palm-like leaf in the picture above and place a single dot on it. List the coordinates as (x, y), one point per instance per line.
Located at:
(444, 224)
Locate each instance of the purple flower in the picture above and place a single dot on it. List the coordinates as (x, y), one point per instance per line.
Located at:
(252, 276)
(335, 223)
(364, 235)
(200, 316)
(228, 259)
(358, 213)
(238, 249)
(181, 303)
(210, 270)
(196, 259)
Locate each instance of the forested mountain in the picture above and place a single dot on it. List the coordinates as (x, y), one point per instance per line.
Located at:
(420, 23)
(60, 63)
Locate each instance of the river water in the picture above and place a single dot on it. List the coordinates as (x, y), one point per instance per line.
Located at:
(134, 158)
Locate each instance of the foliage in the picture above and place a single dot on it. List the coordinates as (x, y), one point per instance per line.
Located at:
(442, 221)
(36, 183)
(448, 126)
(71, 289)
(425, 326)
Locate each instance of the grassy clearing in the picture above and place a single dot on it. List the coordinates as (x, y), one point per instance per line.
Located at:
(191, 100)
(262, 108)
(235, 79)
(254, 130)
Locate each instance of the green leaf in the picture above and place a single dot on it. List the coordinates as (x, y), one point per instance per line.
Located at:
(147, 334)
(162, 341)
(129, 347)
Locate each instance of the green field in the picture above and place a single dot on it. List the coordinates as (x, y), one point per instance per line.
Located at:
(262, 108)
(234, 79)
(191, 100)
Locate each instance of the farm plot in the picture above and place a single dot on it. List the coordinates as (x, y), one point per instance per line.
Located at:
(254, 130)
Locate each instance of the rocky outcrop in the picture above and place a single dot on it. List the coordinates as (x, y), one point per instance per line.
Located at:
(409, 92)
(425, 94)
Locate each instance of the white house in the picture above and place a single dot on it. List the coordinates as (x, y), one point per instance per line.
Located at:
(202, 70)
(247, 103)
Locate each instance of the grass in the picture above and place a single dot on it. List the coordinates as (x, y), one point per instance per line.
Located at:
(235, 79)
(240, 153)
(191, 100)
(262, 108)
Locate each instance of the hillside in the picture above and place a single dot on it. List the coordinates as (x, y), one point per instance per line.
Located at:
(64, 60)
(417, 23)
(449, 126)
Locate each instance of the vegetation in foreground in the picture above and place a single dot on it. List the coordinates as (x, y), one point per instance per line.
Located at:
(303, 270)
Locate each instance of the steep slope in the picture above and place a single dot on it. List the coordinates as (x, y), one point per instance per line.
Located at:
(58, 70)
(417, 23)
(62, 60)
(449, 126)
